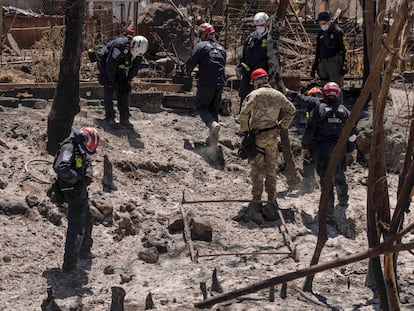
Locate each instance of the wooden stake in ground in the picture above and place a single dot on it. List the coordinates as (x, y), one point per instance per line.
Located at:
(118, 295)
(149, 303)
(275, 77)
(108, 179)
(187, 232)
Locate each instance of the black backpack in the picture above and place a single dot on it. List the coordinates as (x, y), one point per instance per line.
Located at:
(216, 58)
(98, 54)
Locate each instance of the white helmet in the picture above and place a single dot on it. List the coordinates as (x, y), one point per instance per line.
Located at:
(260, 18)
(139, 45)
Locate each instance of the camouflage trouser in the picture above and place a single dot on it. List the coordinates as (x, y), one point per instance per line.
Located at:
(263, 166)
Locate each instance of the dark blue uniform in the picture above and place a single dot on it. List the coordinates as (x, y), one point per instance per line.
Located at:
(331, 55)
(211, 60)
(119, 69)
(304, 105)
(254, 56)
(74, 170)
(320, 137)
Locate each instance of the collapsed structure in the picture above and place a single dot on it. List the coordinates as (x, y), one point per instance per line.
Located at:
(169, 26)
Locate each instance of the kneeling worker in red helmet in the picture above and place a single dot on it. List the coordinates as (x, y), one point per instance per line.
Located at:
(265, 111)
(73, 167)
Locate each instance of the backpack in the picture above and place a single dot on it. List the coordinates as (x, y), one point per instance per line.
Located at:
(98, 54)
(54, 190)
(217, 60)
(248, 148)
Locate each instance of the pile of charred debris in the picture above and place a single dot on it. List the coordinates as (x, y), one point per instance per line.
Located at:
(33, 42)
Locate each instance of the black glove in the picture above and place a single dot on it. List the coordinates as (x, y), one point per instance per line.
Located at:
(314, 69)
(86, 180)
(291, 94)
(344, 68)
(110, 88)
(350, 157)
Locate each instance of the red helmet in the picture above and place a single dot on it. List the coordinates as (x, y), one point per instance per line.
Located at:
(129, 32)
(205, 28)
(313, 91)
(259, 72)
(91, 139)
(331, 89)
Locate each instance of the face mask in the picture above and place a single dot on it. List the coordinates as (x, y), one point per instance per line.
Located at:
(332, 102)
(260, 29)
(324, 27)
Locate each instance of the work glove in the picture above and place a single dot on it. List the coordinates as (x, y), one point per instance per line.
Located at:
(306, 155)
(239, 71)
(291, 94)
(110, 88)
(350, 157)
(182, 71)
(194, 73)
(344, 68)
(86, 180)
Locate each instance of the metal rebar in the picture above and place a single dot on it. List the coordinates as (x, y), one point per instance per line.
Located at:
(246, 253)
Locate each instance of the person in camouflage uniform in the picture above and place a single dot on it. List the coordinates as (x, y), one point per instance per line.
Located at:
(265, 111)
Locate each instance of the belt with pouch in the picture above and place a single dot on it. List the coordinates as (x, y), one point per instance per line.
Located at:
(331, 59)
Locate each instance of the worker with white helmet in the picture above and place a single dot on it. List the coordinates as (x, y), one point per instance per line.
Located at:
(123, 60)
(254, 53)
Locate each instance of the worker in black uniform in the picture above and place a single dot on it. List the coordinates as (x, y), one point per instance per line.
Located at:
(322, 132)
(73, 167)
(331, 59)
(254, 54)
(121, 64)
(210, 57)
(304, 105)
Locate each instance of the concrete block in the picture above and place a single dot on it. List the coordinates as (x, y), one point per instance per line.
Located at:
(43, 92)
(9, 102)
(201, 229)
(182, 102)
(147, 101)
(34, 103)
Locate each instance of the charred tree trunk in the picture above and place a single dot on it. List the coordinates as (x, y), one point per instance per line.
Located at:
(378, 199)
(1, 31)
(378, 209)
(66, 101)
(390, 259)
(273, 49)
(273, 54)
(366, 91)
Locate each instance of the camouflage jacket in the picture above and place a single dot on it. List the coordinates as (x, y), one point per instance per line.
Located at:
(264, 108)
